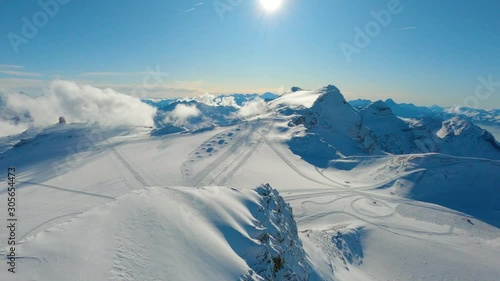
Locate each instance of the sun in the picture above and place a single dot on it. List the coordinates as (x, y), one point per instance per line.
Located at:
(271, 5)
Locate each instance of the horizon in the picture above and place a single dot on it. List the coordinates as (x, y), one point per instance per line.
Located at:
(375, 99)
(369, 49)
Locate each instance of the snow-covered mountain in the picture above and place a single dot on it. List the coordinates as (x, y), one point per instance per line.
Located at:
(406, 135)
(322, 118)
(326, 120)
(487, 119)
(302, 187)
(476, 115)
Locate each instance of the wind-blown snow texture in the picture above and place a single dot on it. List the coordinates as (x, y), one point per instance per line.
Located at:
(220, 234)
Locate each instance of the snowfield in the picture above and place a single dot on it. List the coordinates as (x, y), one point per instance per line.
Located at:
(158, 233)
(303, 187)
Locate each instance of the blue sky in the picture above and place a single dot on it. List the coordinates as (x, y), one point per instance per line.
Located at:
(429, 52)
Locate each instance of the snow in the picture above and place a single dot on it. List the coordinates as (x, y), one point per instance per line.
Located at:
(487, 119)
(352, 194)
(297, 97)
(139, 236)
(219, 234)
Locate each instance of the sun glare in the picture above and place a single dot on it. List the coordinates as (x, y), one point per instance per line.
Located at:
(271, 5)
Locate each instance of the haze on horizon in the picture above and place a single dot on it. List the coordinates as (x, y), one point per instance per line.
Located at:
(424, 52)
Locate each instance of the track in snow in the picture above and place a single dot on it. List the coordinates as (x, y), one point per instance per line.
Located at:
(238, 162)
(242, 137)
(129, 167)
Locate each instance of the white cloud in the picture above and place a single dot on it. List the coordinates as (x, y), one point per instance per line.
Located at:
(226, 101)
(82, 103)
(98, 74)
(16, 70)
(408, 28)
(254, 107)
(20, 73)
(181, 113)
(11, 66)
(8, 128)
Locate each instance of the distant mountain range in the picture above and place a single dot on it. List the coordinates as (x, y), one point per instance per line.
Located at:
(409, 110)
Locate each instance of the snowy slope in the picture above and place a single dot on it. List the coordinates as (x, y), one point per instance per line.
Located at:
(392, 134)
(323, 117)
(402, 135)
(465, 139)
(172, 234)
(356, 196)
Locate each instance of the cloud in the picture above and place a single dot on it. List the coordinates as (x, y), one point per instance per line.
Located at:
(81, 103)
(187, 11)
(19, 73)
(15, 70)
(14, 66)
(252, 108)
(408, 28)
(8, 128)
(226, 101)
(98, 74)
(191, 9)
(182, 113)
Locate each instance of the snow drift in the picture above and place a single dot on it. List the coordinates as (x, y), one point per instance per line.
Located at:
(212, 233)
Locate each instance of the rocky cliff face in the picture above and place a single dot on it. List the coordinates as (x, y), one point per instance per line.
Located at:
(281, 255)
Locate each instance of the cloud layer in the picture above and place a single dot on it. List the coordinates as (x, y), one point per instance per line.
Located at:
(80, 103)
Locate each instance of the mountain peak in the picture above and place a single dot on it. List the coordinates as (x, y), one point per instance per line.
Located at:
(454, 127)
(331, 88)
(390, 101)
(331, 96)
(378, 108)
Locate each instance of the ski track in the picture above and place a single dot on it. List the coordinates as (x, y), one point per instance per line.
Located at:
(129, 167)
(187, 167)
(242, 159)
(204, 177)
(290, 164)
(65, 189)
(200, 176)
(380, 198)
(33, 230)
